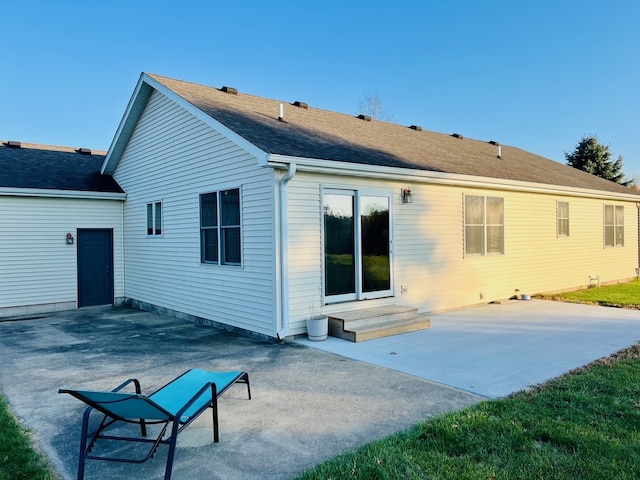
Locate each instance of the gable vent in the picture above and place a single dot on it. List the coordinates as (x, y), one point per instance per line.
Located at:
(366, 118)
(230, 90)
(457, 135)
(301, 105)
(417, 128)
(13, 144)
(84, 151)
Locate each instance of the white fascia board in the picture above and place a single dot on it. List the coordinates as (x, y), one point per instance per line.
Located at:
(41, 192)
(331, 167)
(132, 114)
(135, 108)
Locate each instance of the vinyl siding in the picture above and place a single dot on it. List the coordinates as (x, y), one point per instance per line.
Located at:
(173, 157)
(37, 267)
(428, 247)
(536, 260)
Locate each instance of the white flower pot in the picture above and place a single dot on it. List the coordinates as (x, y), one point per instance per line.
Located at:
(317, 328)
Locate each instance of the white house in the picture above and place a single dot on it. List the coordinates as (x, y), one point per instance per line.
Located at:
(249, 212)
(267, 207)
(60, 230)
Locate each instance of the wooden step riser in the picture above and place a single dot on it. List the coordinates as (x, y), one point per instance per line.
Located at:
(387, 323)
(387, 332)
(374, 320)
(355, 336)
(375, 312)
(370, 323)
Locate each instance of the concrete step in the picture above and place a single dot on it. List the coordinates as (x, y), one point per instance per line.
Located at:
(362, 325)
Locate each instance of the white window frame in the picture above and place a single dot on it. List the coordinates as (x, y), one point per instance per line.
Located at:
(613, 227)
(560, 219)
(155, 222)
(357, 194)
(221, 255)
(485, 227)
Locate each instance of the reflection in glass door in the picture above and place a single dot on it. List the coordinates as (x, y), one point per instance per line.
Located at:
(339, 249)
(374, 238)
(357, 245)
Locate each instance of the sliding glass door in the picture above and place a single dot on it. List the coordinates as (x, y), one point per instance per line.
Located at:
(357, 245)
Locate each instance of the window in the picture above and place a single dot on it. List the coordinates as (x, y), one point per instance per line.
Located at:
(483, 225)
(154, 218)
(562, 215)
(220, 227)
(613, 226)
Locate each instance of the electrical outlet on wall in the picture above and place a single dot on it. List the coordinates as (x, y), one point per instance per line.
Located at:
(404, 289)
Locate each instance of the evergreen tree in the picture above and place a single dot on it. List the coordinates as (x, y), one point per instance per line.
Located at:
(593, 157)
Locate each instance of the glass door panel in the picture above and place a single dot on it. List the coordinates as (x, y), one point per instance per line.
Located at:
(357, 246)
(374, 221)
(339, 245)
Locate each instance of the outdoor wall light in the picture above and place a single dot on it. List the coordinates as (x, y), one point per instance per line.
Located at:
(406, 195)
(69, 238)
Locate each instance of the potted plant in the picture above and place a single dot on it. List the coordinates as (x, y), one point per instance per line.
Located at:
(317, 324)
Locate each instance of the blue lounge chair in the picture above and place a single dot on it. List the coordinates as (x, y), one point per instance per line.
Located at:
(178, 403)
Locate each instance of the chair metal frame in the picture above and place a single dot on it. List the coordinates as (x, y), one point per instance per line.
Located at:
(160, 416)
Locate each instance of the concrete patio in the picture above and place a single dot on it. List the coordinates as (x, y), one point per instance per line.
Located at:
(497, 349)
(311, 400)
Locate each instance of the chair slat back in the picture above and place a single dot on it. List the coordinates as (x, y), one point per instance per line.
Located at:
(126, 406)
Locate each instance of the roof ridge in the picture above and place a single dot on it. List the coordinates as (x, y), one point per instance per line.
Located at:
(52, 148)
(309, 107)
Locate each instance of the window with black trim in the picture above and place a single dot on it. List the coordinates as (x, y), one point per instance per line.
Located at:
(562, 216)
(154, 218)
(220, 230)
(483, 225)
(613, 226)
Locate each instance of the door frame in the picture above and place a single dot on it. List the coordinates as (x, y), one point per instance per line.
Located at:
(357, 192)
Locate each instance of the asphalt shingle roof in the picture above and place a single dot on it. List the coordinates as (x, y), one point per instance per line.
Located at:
(53, 168)
(322, 134)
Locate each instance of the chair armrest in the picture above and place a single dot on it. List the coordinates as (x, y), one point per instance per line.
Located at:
(214, 395)
(124, 384)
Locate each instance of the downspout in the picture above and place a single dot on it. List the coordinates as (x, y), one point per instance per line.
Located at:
(284, 252)
(122, 262)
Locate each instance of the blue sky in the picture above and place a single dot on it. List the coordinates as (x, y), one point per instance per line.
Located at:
(534, 74)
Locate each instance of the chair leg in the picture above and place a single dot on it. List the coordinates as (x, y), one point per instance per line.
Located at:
(83, 443)
(214, 409)
(245, 379)
(172, 449)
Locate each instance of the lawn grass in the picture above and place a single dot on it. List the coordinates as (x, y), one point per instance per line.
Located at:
(19, 460)
(626, 295)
